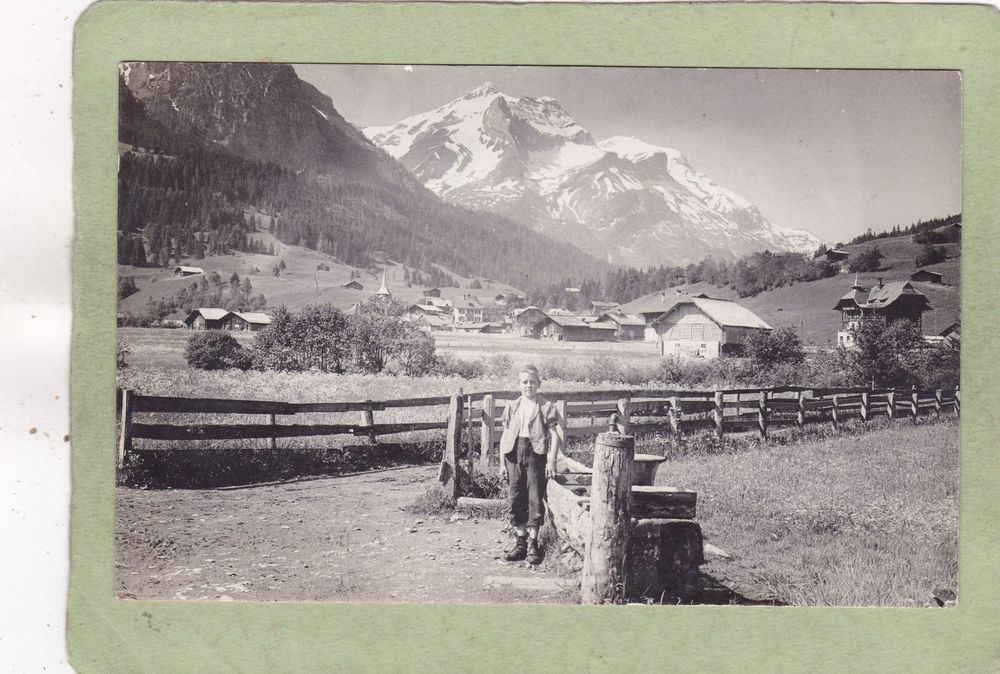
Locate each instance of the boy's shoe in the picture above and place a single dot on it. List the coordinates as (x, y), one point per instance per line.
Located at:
(534, 554)
(519, 551)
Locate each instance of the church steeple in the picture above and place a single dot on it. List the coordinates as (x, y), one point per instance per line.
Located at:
(383, 289)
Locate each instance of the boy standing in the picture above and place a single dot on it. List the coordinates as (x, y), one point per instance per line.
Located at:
(529, 446)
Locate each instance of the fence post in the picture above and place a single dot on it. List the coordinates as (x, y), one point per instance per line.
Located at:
(561, 423)
(800, 420)
(274, 440)
(487, 434)
(603, 577)
(915, 403)
(125, 442)
(719, 413)
(675, 416)
(937, 403)
(835, 410)
(449, 462)
(762, 414)
(370, 423)
(958, 403)
(890, 407)
(623, 416)
(864, 406)
(467, 421)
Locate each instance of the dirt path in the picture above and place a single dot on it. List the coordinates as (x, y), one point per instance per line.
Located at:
(337, 539)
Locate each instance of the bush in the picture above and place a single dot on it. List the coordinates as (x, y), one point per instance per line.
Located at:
(315, 337)
(869, 260)
(767, 349)
(448, 365)
(499, 365)
(123, 351)
(603, 369)
(880, 353)
(216, 350)
(930, 254)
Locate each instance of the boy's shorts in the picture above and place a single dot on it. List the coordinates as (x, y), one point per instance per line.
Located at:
(525, 485)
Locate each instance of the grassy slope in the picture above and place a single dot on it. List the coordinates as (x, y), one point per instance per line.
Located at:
(299, 285)
(865, 519)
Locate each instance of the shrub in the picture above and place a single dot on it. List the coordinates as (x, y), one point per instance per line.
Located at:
(930, 254)
(603, 369)
(123, 351)
(777, 347)
(448, 365)
(216, 350)
(881, 349)
(869, 260)
(315, 337)
(499, 365)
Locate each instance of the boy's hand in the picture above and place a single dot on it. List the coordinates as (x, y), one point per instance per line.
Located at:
(550, 470)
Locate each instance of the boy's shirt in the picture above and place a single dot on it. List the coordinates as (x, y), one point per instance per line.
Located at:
(526, 411)
(545, 417)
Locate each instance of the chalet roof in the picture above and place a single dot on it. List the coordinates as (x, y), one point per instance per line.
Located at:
(889, 293)
(518, 312)
(568, 321)
(209, 313)
(467, 303)
(559, 312)
(432, 321)
(254, 317)
(352, 284)
(429, 309)
(838, 253)
(724, 312)
(623, 319)
(189, 270)
(434, 302)
(856, 296)
(926, 272)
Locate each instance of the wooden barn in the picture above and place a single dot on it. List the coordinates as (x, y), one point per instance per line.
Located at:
(188, 271)
(206, 318)
(353, 285)
(628, 327)
(415, 311)
(432, 292)
(891, 301)
(573, 329)
(927, 276)
(706, 328)
(528, 322)
(248, 321)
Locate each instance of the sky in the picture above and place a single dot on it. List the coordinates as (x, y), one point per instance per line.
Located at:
(831, 151)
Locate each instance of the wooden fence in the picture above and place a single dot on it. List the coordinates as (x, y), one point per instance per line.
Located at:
(473, 419)
(133, 404)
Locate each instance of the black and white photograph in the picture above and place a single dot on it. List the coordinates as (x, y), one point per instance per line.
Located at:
(538, 334)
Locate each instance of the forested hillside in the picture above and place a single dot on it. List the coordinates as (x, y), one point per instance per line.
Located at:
(181, 198)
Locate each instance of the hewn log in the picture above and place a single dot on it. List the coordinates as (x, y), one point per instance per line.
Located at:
(644, 468)
(610, 511)
(663, 502)
(235, 431)
(623, 416)
(569, 518)
(801, 417)
(719, 414)
(762, 414)
(472, 502)
(663, 560)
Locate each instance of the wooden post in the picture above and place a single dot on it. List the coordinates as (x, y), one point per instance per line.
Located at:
(801, 419)
(623, 416)
(864, 406)
(762, 414)
(125, 442)
(610, 511)
(274, 440)
(449, 462)
(675, 416)
(915, 403)
(937, 403)
(487, 434)
(467, 420)
(561, 424)
(958, 403)
(835, 410)
(370, 423)
(890, 407)
(719, 413)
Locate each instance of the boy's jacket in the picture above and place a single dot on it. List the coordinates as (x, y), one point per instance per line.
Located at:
(546, 418)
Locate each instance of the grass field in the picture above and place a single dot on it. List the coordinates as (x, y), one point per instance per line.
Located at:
(857, 518)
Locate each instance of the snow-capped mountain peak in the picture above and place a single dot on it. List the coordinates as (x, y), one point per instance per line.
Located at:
(622, 199)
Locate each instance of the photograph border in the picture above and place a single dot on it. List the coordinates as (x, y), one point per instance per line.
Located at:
(108, 634)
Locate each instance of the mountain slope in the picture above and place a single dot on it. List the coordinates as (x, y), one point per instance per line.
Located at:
(203, 143)
(620, 199)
